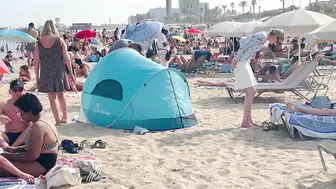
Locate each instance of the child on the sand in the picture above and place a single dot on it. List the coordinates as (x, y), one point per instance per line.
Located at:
(24, 73)
(7, 165)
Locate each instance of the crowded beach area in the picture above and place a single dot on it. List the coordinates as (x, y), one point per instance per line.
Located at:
(156, 105)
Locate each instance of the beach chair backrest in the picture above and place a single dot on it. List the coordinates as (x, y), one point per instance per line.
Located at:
(301, 66)
(294, 73)
(304, 73)
(198, 63)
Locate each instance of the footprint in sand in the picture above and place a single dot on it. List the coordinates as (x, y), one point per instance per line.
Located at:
(211, 160)
(202, 186)
(185, 162)
(223, 172)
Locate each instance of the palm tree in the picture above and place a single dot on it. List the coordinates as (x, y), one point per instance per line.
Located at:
(224, 7)
(253, 3)
(283, 5)
(243, 4)
(232, 5)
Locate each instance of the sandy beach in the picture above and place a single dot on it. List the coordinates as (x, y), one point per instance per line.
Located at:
(215, 154)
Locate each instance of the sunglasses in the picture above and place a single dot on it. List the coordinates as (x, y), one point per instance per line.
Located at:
(15, 90)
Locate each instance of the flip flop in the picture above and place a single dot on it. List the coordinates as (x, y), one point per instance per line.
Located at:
(84, 144)
(99, 144)
(91, 176)
(273, 126)
(265, 126)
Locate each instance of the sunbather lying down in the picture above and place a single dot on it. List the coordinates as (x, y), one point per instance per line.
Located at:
(313, 111)
(196, 60)
(210, 84)
(223, 84)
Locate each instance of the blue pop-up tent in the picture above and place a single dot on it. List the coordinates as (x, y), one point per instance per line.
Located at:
(126, 90)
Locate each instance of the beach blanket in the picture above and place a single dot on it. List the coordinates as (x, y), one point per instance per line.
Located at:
(212, 87)
(304, 124)
(17, 186)
(67, 94)
(15, 183)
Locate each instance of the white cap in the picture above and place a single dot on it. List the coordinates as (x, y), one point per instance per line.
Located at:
(165, 27)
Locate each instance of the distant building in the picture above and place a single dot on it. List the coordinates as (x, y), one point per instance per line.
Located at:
(323, 6)
(204, 8)
(160, 13)
(57, 20)
(60, 26)
(168, 7)
(189, 7)
(81, 26)
(132, 20)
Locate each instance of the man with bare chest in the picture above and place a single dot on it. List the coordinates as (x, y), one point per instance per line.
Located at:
(15, 128)
(30, 47)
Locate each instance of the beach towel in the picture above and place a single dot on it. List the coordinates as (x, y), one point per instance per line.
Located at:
(306, 125)
(15, 183)
(67, 94)
(200, 53)
(212, 87)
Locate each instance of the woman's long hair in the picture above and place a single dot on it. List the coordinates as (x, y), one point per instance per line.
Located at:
(49, 29)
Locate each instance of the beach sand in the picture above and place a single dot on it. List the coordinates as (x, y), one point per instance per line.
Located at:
(215, 154)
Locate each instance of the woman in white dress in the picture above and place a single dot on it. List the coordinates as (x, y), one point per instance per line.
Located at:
(244, 77)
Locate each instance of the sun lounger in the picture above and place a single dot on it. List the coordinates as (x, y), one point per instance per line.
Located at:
(199, 66)
(293, 83)
(305, 125)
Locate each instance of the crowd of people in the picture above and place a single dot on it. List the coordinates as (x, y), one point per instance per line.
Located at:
(31, 140)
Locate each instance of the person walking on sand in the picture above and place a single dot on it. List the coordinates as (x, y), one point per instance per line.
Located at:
(30, 47)
(244, 77)
(51, 62)
(163, 46)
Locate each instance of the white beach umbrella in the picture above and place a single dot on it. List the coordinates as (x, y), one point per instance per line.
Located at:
(245, 29)
(295, 22)
(325, 33)
(223, 28)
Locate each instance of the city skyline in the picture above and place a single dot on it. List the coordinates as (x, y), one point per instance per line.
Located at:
(76, 11)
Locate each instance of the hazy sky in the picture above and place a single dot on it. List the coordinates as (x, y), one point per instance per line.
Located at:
(16, 13)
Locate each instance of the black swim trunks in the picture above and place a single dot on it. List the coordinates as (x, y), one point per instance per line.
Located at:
(12, 137)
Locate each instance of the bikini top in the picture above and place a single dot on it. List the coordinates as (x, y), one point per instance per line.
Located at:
(78, 61)
(44, 146)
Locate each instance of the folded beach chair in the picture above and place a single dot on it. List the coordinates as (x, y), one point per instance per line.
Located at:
(293, 83)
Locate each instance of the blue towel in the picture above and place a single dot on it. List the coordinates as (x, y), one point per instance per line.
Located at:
(200, 53)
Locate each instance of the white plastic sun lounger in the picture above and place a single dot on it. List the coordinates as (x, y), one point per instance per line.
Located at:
(292, 83)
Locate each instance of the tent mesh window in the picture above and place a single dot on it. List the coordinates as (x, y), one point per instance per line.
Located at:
(109, 88)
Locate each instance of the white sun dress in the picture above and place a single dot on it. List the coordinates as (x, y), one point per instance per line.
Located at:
(244, 77)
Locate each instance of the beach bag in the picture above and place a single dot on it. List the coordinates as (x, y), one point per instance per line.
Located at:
(63, 176)
(321, 102)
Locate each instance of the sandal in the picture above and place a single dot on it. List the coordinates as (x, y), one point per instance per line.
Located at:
(273, 126)
(99, 144)
(91, 176)
(84, 144)
(265, 126)
(269, 126)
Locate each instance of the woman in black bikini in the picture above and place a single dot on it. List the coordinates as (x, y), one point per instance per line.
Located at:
(39, 154)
